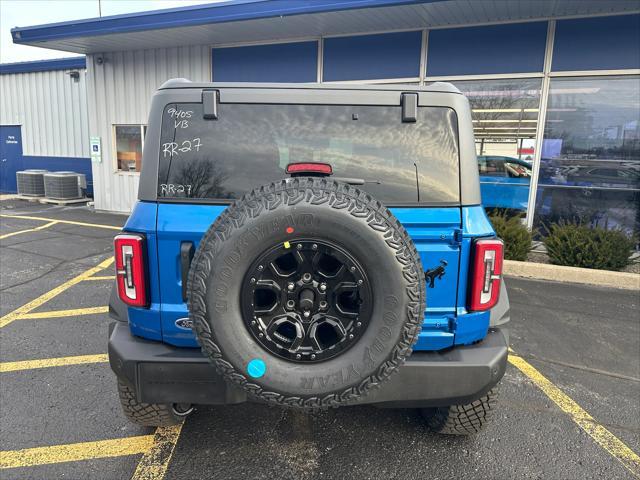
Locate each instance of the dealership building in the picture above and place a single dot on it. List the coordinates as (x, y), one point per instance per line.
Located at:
(554, 87)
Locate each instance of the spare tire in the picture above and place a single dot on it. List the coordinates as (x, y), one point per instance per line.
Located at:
(306, 293)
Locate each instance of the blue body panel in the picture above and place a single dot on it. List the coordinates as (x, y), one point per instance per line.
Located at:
(433, 232)
(441, 235)
(178, 223)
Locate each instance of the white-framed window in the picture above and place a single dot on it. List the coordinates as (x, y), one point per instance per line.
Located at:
(128, 142)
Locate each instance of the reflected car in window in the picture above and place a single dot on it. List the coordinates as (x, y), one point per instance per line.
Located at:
(504, 182)
(596, 174)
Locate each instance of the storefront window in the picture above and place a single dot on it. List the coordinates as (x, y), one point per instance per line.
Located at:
(505, 118)
(590, 166)
(129, 140)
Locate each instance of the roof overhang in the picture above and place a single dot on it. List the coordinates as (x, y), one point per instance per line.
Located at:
(70, 63)
(246, 21)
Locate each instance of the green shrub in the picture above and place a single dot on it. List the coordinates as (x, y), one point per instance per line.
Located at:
(578, 245)
(516, 237)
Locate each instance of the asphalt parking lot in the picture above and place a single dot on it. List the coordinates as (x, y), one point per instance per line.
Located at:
(569, 406)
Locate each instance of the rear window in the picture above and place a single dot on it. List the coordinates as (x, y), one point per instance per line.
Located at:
(251, 144)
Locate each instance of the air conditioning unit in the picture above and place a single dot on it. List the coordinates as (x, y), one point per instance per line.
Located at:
(64, 185)
(31, 182)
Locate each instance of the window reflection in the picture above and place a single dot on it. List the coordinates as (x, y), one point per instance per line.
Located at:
(129, 140)
(590, 165)
(251, 144)
(505, 118)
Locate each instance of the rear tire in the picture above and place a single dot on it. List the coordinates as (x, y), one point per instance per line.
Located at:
(466, 419)
(149, 414)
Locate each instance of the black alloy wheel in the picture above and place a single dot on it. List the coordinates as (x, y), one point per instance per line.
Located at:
(306, 300)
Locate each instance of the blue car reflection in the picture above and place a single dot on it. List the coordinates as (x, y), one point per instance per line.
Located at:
(504, 182)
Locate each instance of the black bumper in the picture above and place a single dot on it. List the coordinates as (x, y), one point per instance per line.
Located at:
(164, 374)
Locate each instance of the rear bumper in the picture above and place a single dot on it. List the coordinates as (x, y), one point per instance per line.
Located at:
(164, 374)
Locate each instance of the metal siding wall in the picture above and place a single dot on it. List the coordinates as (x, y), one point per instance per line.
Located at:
(119, 92)
(52, 109)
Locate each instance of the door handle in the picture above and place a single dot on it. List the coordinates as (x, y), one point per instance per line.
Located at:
(186, 255)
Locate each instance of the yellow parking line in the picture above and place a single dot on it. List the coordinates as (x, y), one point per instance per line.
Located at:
(74, 452)
(41, 227)
(63, 313)
(52, 362)
(33, 304)
(586, 422)
(69, 222)
(153, 464)
(96, 278)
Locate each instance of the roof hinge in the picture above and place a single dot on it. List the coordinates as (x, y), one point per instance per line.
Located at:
(409, 103)
(210, 104)
(457, 236)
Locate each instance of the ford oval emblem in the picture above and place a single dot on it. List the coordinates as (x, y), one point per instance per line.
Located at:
(184, 323)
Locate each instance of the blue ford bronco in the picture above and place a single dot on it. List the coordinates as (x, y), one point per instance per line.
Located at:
(309, 246)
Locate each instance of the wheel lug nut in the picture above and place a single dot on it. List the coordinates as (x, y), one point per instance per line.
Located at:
(313, 356)
(351, 336)
(314, 247)
(306, 277)
(291, 304)
(260, 268)
(353, 269)
(360, 282)
(323, 304)
(299, 246)
(290, 287)
(261, 335)
(323, 287)
(253, 322)
(359, 324)
(253, 280)
(298, 356)
(306, 313)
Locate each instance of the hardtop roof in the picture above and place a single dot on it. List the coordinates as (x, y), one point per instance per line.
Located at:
(440, 87)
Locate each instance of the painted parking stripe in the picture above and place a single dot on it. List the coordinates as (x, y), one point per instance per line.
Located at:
(74, 452)
(68, 222)
(41, 227)
(6, 367)
(97, 278)
(154, 463)
(42, 299)
(74, 312)
(586, 422)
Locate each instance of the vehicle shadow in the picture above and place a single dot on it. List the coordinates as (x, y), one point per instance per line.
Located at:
(258, 441)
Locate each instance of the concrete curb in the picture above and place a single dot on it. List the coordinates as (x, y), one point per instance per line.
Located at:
(586, 276)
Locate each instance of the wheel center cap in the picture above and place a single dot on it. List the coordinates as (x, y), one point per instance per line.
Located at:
(306, 299)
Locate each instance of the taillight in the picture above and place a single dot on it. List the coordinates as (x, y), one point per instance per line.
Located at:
(486, 274)
(309, 168)
(131, 269)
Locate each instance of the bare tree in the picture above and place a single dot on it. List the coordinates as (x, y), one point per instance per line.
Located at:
(202, 178)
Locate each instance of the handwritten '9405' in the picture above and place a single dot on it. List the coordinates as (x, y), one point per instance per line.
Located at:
(171, 149)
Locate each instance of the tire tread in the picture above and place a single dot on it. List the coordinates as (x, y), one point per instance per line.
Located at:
(145, 414)
(462, 419)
